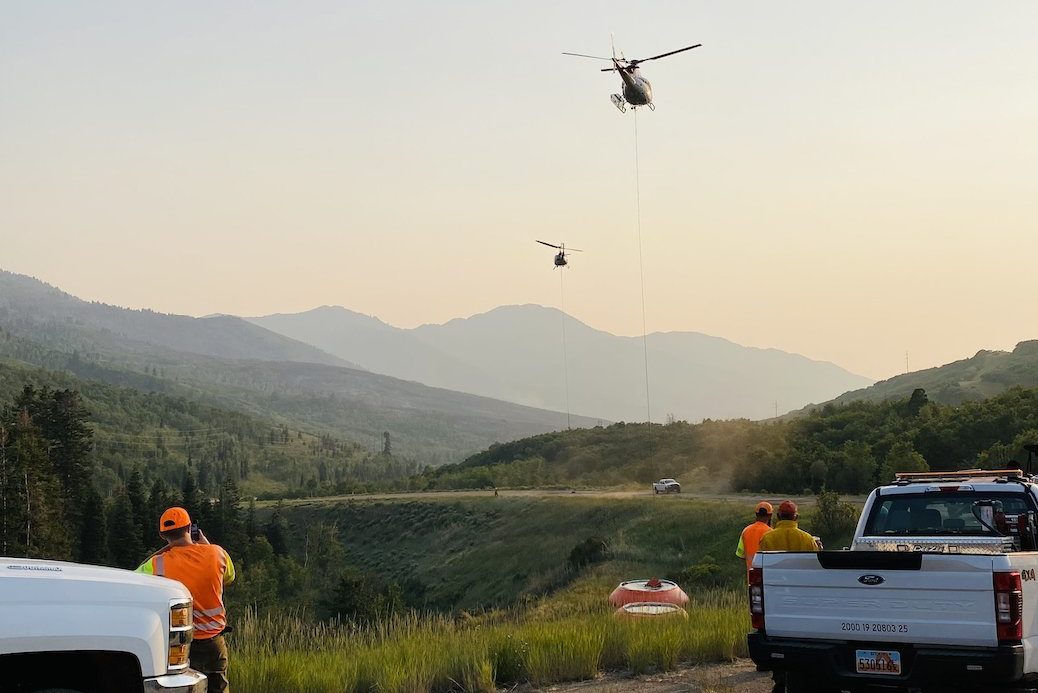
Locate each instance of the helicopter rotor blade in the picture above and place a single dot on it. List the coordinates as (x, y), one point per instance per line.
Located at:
(574, 250)
(664, 55)
(550, 245)
(581, 55)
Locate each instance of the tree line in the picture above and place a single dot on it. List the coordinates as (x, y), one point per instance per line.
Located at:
(51, 507)
(848, 448)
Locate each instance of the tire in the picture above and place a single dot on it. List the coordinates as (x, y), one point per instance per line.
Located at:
(656, 491)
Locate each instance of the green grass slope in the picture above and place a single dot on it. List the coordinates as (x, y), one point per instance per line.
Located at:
(986, 374)
(488, 552)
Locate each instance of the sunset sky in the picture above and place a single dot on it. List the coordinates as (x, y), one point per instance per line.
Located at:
(850, 181)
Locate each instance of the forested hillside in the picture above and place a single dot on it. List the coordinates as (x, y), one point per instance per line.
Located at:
(242, 367)
(983, 375)
(169, 437)
(848, 448)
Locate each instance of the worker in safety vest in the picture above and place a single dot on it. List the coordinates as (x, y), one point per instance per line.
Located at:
(787, 536)
(204, 569)
(749, 540)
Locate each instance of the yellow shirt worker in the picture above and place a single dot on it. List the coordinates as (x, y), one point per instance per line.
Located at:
(787, 536)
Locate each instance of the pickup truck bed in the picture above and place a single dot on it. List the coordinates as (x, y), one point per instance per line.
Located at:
(822, 611)
(938, 593)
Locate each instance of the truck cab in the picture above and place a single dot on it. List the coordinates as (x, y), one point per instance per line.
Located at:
(937, 592)
(87, 629)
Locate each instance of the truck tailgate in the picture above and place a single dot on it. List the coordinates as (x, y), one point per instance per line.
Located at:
(938, 599)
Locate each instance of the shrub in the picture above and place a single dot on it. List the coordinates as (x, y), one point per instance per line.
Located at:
(591, 550)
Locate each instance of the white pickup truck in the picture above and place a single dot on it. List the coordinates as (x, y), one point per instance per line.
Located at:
(70, 628)
(937, 593)
(666, 486)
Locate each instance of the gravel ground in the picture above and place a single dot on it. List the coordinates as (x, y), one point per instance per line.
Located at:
(737, 677)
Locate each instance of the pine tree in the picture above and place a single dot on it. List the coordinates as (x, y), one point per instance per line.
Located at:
(230, 531)
(93, 539)
(251, 529)
(277, 532)
(124, 542)
(139, 503)
(34, 526)
(63, 424)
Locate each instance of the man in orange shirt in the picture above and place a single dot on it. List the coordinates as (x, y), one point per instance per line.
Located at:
(204, 569)
(749, 540)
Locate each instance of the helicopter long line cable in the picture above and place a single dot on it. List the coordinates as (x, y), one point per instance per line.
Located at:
(641, 267)
(641, 278)
(565, 355)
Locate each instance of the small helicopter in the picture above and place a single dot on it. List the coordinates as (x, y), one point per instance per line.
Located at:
(560, 257)
(637, 91)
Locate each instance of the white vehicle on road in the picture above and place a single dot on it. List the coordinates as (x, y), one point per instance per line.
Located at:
(666, 486)
(938, 593)
(71, 628)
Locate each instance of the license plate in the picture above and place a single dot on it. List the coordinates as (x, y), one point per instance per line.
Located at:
(885, 662)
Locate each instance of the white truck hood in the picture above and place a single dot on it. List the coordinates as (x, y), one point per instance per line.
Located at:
(54, 605)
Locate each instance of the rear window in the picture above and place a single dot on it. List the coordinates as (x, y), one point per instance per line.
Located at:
(936, 513)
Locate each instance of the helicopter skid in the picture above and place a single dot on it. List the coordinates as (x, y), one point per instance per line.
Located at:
(618, 101)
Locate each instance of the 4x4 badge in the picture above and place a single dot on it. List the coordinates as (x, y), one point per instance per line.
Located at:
(871, 580)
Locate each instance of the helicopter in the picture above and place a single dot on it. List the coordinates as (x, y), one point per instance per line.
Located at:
(636, 91)
(560, 257)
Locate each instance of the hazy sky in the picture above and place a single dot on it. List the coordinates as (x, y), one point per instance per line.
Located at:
(846, 180)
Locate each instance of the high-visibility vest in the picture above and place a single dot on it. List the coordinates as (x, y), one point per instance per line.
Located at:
(203, 569)
(749, 541)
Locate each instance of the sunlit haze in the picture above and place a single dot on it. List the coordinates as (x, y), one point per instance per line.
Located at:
(849, 181)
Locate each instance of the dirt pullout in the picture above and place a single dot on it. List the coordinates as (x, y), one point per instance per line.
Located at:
(739, 676)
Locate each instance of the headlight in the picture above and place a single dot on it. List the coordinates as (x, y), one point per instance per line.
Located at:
(180, 633)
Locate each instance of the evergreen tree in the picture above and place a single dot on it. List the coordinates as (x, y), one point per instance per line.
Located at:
(230, 530)
(139, 502)
(276, 532)
(192, 497)
(124, 542)
(251, 529)
(32, 521)
(93, 538)
(63, 424)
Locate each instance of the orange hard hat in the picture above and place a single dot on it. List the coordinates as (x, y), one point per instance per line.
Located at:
(788, 508)
(174, 518)
(765, 506)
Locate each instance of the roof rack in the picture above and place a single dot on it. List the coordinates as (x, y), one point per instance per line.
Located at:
(962, 474)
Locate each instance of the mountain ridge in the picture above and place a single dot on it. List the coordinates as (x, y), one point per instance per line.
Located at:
(514, 353)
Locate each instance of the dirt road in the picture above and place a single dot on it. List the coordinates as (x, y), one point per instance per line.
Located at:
(737, 677)
(749, 499)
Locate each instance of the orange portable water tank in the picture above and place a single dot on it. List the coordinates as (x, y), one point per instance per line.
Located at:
(652, 590)
(636, 610)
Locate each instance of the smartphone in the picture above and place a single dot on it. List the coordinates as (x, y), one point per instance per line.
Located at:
(195, 533)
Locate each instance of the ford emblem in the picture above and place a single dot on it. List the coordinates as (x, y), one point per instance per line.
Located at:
(871, 580)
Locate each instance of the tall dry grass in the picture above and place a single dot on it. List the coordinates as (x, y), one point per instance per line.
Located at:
(419, 653)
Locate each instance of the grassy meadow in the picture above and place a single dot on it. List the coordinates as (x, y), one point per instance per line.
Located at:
(502, 603)
(415, 653)
(480, 553)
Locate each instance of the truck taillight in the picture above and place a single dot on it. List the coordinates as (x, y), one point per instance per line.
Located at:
(181, 630)
(757, 598)
(1009, 606)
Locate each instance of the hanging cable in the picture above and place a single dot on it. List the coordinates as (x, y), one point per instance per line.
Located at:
(565, 355)
(641, 266)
